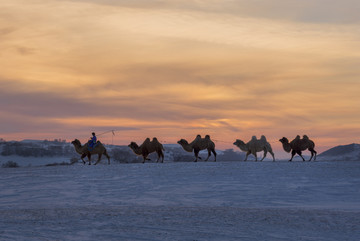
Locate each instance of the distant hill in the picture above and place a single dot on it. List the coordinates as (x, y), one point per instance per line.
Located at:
(349, 152)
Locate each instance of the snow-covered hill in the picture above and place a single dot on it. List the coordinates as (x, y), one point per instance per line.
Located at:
(349, 152)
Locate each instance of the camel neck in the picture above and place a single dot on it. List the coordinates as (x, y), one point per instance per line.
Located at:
(137, 150)
(79, 148)
(287, 147)
(187, 147)
(243, 147)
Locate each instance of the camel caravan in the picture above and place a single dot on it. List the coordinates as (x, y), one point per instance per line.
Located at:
(253, 146)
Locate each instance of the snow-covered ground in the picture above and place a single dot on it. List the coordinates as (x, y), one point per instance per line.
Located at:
(182, 201)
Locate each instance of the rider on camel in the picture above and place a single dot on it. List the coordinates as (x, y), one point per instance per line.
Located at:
(92, 141)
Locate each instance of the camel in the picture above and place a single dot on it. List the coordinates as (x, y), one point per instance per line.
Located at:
(85, 151)
(199, 144)
(148, 147)
(255, 145)
(298, 145)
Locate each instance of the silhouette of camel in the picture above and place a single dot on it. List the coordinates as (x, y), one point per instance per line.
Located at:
(86, 151)
(148, 147)
(255, 145)
(199, 144)
(298, 145)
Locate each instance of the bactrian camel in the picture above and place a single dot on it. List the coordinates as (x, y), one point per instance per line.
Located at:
(148, 147)
(254, 146)
(199, 144)
(86, 151)
(298, 145)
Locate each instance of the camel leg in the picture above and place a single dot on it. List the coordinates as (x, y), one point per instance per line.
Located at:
(99, 158)
(162, 156)
(312, 154)
(144, 158)
(255, 156)
(292, 155)
(82, 158)
(89, 158)
(272, 153)
(247, 154)
(196, 152)
(265, 152)
(209, 154)
(213, 151)
(159, 155)
(300, 154)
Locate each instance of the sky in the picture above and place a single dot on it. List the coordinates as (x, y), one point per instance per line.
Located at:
(174, 69)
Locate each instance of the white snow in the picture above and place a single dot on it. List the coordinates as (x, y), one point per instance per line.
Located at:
(36, 161)
(182, 201)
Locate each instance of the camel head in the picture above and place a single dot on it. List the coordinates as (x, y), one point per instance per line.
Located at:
(238, 142)
(133, 145)
(284, 140)
(183, 142)
(76, 142)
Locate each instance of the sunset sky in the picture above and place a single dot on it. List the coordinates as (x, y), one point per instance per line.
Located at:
(177, 68)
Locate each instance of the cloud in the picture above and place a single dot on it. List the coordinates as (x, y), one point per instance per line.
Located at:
(317, 11)
(175, 68)
(6, 31)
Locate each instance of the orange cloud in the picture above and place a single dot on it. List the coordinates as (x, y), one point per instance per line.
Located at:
(176, 70)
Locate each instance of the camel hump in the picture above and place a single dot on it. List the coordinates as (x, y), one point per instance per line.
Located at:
(263, 138)
(196, 140)
(156, 142)
(305, 137)
(207, 137)
(296, 140)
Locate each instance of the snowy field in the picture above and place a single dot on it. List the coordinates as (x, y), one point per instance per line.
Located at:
(182, 201)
